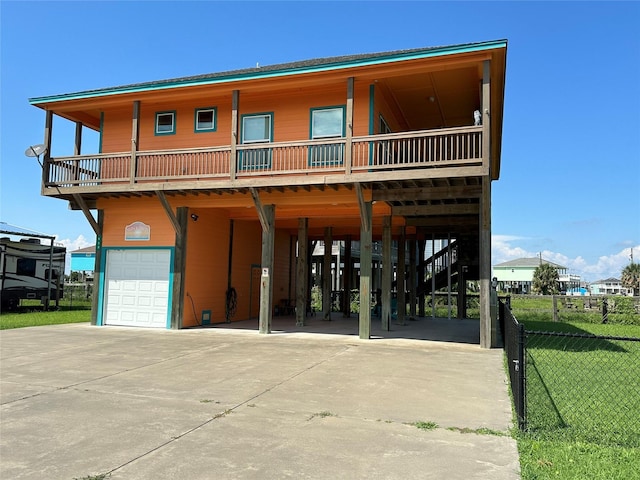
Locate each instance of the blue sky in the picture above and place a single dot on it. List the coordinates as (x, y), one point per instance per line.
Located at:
(570, 179)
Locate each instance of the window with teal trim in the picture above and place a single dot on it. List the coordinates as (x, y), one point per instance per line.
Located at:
(327, 122)
(165, 123)
(256, 129)
(205, 119)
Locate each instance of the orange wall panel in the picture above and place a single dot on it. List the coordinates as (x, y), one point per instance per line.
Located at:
(206, 268)
(120, 212)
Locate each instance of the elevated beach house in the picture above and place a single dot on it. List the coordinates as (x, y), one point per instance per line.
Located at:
(208, 191)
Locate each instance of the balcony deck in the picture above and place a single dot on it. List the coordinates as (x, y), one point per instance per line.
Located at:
(450, 152)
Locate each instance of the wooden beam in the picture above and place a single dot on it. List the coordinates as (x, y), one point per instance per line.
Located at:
(135, 137)
(349, 134)
(260, 209)
(365, 219)
(77, 149)
(364, 322)
(326, 274)
(443, 221)
(235, 105)
(46, 158)
(179, 267)
(87, 213)
(169, 211)
(423, 210)
(387, 273)
(400, 277)
(266, 279)
(487, 327)
(302, 274)
(427, 193)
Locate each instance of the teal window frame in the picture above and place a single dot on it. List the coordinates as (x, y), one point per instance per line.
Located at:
(259, 159)
(173, 115)
(331, 154)
(214, 119)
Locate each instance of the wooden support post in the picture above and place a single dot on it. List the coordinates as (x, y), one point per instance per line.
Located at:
(412, 278)
(487, 329)
(266, 278)
(402, 301)
(349, 132)
(46, 158)
(302, 274)
(135, 136)
(326, 274)
(462, 288)
(179, 266)
(347, 276)
(488, 325)
(387, 273)
(421, 277)
(233, 155)
(97, 270)
(364, 322)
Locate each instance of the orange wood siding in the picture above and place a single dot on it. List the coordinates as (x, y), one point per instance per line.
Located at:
(291, 109)
(207, 266)
(247, 251)
(124, 211)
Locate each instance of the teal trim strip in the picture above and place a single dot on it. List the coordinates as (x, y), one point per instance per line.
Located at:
(144, 87)
(101, 294)
(103, 288)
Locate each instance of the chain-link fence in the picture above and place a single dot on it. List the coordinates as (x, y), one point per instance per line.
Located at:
(573, 384)
(583, 386)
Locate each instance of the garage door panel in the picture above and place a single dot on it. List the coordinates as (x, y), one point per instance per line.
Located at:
(137, 287)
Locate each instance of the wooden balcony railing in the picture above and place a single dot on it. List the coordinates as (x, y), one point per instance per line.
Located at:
(407, 150)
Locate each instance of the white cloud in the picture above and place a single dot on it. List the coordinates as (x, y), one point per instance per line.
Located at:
(71, 246)
(505, 248)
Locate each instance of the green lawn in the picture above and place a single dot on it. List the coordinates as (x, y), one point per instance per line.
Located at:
(583, 402)
(35, 318)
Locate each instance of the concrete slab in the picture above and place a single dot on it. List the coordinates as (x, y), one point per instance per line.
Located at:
(231, 403)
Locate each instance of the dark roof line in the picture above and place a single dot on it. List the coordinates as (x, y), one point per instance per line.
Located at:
(281, 69)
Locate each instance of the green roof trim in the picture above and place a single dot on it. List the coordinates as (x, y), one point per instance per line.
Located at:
(273, 71)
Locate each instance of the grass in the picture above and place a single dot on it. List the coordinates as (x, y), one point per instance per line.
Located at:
(582, 401)
(35, 318)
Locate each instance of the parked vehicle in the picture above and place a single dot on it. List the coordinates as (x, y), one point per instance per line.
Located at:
(28, 269)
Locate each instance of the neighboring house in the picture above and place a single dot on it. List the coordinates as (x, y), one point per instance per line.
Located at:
(83, 260)
(209, 189)
(608, 286)
(516, 276)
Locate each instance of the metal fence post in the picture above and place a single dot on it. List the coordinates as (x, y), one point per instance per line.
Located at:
(521, 378)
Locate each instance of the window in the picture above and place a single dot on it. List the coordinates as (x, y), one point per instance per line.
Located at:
(165, 123)
(205, 119)
(256, 128)
(26, 267)
(384, 126)
(328, 122)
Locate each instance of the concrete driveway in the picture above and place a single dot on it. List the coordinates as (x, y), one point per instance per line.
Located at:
(219, 403)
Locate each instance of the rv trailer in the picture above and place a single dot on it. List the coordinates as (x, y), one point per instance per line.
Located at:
(27, 268)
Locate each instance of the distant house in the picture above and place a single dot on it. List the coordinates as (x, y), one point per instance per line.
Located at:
(84, 260)
(516, 276)
(608, 286)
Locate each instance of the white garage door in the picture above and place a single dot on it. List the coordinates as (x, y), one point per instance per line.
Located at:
(137, 287)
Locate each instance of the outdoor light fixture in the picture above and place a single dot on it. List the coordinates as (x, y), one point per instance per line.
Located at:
(194, 217)
(36, 151)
